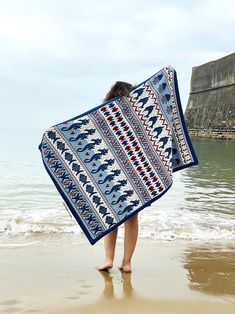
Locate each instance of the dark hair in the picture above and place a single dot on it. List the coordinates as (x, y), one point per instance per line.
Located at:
(118, 89)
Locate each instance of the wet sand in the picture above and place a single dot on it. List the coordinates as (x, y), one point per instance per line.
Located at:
(167, 277)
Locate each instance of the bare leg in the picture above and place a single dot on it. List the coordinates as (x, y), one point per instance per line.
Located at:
(109, 244)
(130, 239)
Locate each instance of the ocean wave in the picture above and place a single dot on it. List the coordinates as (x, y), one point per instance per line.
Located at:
(21, 226)
(175, 225)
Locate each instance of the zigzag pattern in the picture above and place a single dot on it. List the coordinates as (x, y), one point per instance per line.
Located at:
(177, 127)
(143, 139)
(140, 113)
(124, 128)
(125, 161)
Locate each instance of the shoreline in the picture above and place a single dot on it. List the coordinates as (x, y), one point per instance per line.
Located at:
(167, 277)
(223, 135)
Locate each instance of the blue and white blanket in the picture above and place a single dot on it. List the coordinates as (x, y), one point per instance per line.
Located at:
(119, 157)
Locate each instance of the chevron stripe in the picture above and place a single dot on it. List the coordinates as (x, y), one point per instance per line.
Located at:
(185, 153)
(141, 143)
(152, 138)
(125, 162)
(144, 142)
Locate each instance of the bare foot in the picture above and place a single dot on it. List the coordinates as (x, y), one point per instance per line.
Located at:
(106, 266)
(126, 268)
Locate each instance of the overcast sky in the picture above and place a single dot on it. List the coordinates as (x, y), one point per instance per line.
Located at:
(58, 58)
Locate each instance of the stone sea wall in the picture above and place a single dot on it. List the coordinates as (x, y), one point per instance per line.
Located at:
(210, 111)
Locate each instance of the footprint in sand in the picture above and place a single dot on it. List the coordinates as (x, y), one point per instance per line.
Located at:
(73, 298)
(86, 286)
(83, 292)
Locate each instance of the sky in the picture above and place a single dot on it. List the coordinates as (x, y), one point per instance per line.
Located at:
(59, 58)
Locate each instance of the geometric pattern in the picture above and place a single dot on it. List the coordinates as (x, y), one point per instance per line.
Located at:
(119, 157)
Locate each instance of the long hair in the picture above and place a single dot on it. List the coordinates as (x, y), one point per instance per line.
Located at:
(118, 89)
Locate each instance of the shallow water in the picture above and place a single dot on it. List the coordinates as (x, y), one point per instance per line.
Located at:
(199, 206)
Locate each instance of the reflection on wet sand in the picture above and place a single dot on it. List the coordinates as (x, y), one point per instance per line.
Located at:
(131, 303)
(109, 288)
(172, 277)
(211, 270)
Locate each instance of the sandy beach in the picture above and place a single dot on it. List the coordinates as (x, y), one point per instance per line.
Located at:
(60, 276)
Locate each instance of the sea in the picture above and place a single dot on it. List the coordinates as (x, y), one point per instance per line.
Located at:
(200, 205)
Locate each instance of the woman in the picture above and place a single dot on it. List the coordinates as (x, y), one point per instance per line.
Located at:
(131, 224)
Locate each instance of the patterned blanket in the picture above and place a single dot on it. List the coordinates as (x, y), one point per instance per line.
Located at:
(117, 158)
